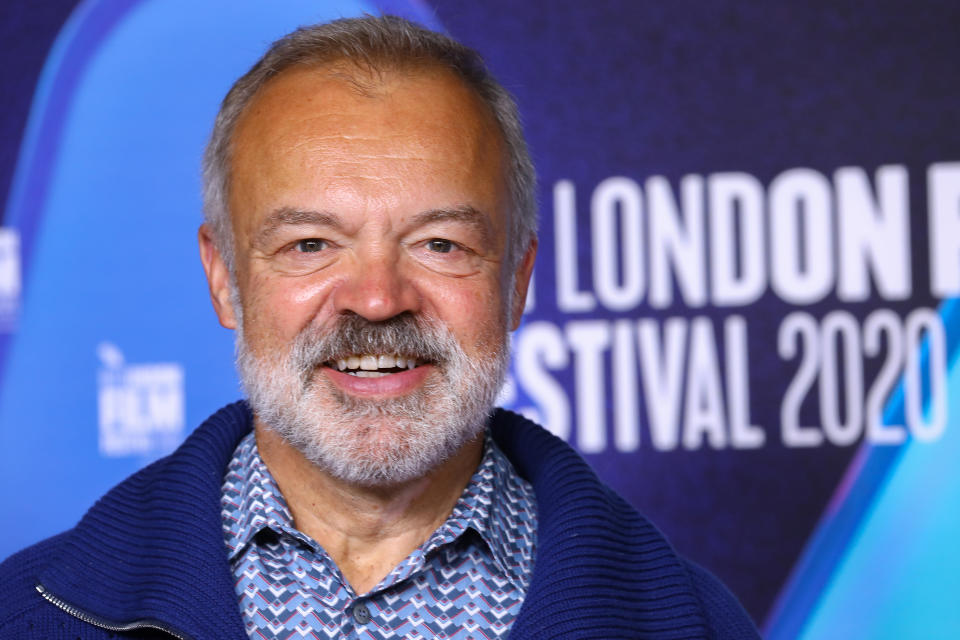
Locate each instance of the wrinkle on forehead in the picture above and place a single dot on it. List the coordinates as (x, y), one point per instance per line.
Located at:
(327, 102)
(307, 134)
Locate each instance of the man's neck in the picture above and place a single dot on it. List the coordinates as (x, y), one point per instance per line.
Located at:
(367, 531)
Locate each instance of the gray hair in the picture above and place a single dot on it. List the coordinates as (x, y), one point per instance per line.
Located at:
(377, 44)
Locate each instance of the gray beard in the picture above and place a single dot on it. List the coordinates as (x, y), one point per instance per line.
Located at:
(374, 442)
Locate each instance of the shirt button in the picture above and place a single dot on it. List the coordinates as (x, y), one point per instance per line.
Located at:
(361, 614)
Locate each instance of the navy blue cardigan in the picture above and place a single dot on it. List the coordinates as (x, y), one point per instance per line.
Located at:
(149, 556)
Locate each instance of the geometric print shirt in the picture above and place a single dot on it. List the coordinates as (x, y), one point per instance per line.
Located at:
(467, 581)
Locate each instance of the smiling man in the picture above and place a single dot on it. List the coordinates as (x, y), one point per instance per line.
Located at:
(369, 235)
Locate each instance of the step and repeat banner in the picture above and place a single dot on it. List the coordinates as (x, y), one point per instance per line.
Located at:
(744, 311)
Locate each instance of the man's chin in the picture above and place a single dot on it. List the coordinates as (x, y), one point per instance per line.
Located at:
(380, 453)
(376, 442)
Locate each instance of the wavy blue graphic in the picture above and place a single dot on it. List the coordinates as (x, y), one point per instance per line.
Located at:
(115, 325)
(882, 563)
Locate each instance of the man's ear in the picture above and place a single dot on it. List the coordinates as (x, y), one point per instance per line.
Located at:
(521, 282)
(218, 278)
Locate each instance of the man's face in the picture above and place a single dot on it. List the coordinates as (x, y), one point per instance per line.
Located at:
(369, 226)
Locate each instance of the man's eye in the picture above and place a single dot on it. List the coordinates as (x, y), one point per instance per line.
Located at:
(439, 245)
(311, 245)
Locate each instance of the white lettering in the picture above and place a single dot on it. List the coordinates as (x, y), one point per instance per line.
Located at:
(661, 370)
(919, 323)
(589, 339)
(677, 244)
(626, 430)
(540, 347)
(874, 234)
(943, 193)
(839, 329)
(883, 322)
(801, 236)
(613, 199)
(703, 414)
(743, 435)
(570, 299)
(737, 277)
(799, 327)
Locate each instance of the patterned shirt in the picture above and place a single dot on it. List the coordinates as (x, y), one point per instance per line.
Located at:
(466, 582)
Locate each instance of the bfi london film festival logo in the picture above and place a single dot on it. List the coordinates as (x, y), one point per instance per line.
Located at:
(10, 282)
(140, 406)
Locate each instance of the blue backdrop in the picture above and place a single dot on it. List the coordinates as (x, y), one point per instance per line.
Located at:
(744, 309)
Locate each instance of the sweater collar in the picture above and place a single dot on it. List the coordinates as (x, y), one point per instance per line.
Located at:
(601, 568)
(150, 552)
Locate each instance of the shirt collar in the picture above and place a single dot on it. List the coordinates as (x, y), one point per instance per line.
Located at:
(250, 499)
(496, 503)
(501, 507)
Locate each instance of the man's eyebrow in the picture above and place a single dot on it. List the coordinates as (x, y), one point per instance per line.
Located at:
(465, 213)
(288, 216)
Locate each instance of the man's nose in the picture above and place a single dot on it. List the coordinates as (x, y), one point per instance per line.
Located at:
(377, 288)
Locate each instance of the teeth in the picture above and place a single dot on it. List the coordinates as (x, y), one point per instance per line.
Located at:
(369, 374)
(369, 364)
(386, 362)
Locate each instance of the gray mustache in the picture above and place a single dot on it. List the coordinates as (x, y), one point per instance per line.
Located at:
(403, 334)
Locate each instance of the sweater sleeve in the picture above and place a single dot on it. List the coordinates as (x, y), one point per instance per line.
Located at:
(727, 618)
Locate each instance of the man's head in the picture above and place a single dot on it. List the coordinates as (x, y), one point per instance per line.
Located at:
(373, 47)
(370, 235)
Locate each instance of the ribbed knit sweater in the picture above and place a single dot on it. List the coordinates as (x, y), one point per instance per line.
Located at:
(150, 556)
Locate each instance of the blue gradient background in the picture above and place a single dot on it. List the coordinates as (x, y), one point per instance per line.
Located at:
(830, 542)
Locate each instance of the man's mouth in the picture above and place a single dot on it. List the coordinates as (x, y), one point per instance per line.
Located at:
(375, 365)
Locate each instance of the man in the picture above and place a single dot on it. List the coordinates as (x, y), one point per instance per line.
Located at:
(370, 234)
